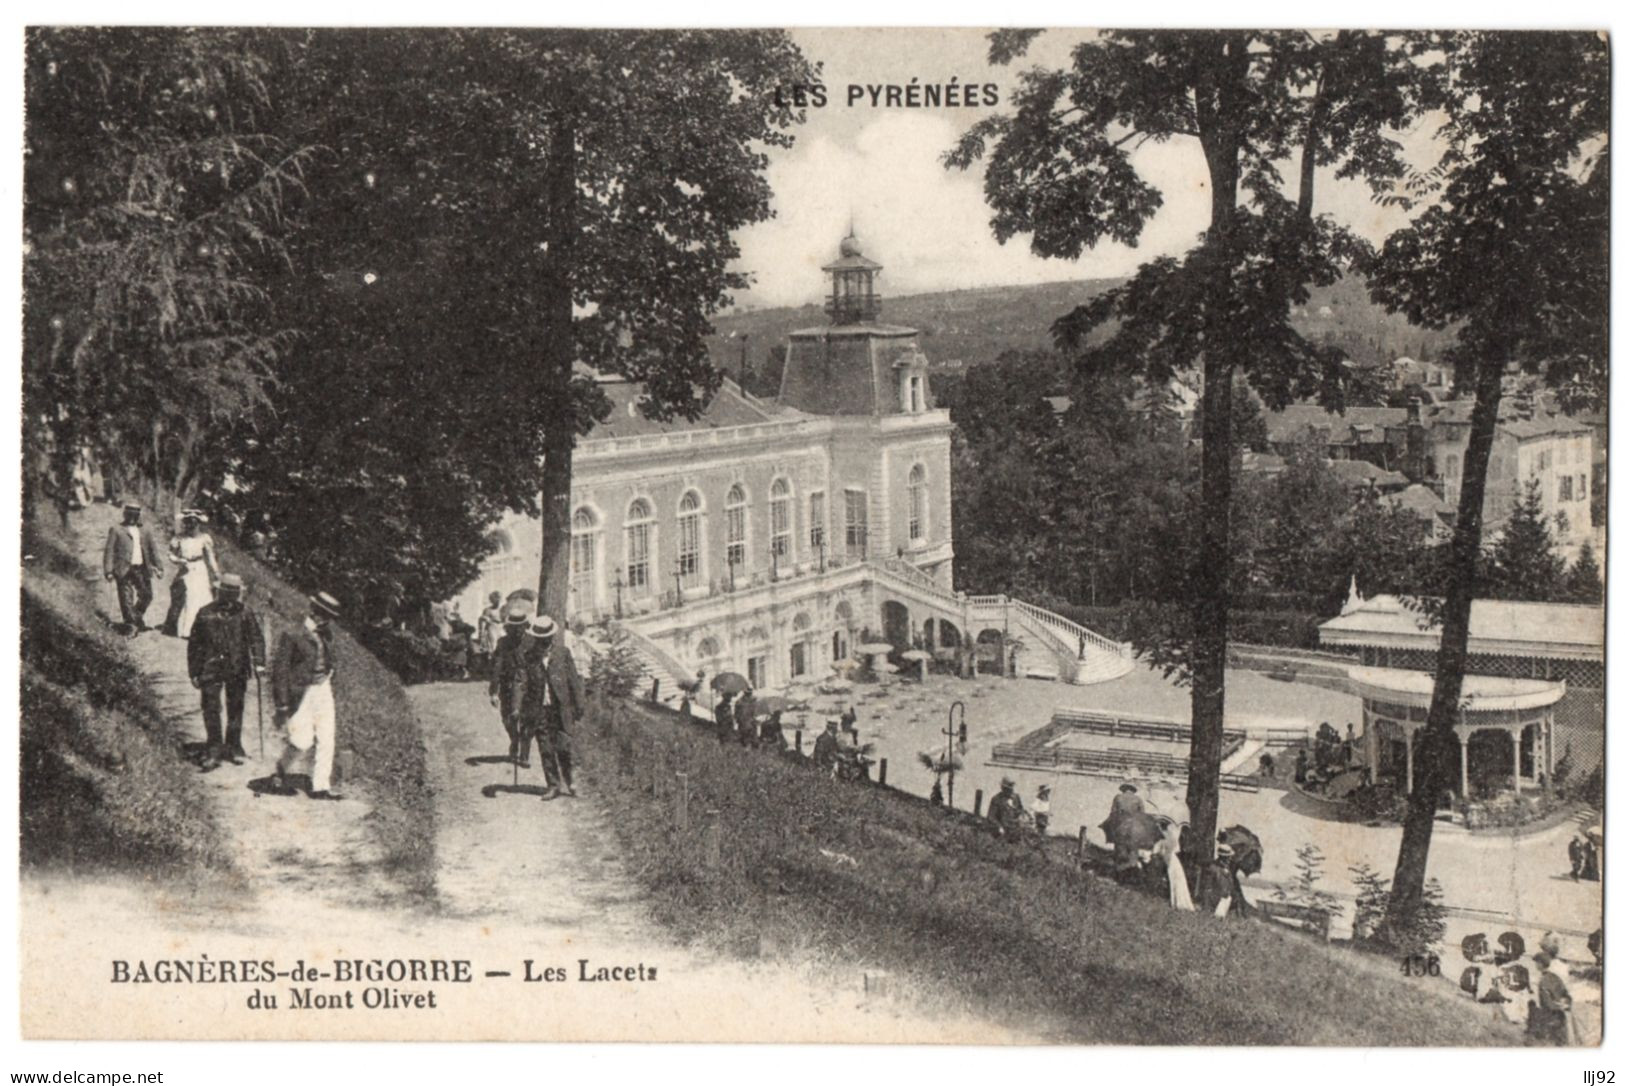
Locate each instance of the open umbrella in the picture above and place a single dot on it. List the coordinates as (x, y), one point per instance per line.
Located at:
(870, 648)
(772, 704)
(922, 657)
(730, 682)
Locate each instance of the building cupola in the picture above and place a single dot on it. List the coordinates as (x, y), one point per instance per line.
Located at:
(852, 298)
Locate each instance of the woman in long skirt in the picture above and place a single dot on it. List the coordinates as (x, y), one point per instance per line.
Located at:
(193, 554)
(1179, 891)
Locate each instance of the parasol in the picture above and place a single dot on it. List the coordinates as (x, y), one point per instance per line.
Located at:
(730, 682)
(920, 655)
(772, 704)
(871, 648)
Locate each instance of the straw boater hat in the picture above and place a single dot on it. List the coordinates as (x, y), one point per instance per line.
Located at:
(1127, 787)
(324, 604)
(518, 612)
(132, 507)
(195, 514)
(543, 626)
(230, 582)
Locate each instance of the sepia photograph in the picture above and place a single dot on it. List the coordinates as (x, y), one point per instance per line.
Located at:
(879, 536)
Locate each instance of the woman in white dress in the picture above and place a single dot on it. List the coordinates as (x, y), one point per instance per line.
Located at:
(1179, 891)
(193, 553)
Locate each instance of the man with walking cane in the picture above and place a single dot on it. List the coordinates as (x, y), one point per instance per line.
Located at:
(226, 646)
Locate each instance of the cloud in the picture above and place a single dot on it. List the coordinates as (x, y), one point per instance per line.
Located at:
(930, 226)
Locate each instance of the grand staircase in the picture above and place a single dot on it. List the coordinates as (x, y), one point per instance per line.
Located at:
(1053, 646)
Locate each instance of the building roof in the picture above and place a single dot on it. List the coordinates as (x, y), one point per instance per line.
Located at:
(729, 407)
(1421, 500)
(1359, 472)
(1497, 628)
(1480, 693)
(1515, 418)
(1370, 423)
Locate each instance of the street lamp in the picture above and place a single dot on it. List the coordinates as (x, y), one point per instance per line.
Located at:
(619, 584)
(948, 752)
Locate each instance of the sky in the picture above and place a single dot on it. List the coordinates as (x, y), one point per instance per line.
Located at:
(880, 168)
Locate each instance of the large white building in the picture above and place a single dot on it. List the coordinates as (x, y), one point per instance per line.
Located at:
(770, 537)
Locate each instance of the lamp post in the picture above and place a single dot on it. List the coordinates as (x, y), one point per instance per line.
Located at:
(948, 752)
(619, 584)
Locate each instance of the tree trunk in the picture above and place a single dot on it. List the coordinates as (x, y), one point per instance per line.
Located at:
(1210, 607)
(1210, 581)
(558, 362)
(1432, 768)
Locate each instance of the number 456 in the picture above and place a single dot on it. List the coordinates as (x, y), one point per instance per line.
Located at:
(1420, 965)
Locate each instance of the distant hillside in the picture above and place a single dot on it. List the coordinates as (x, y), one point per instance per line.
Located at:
(975, 326)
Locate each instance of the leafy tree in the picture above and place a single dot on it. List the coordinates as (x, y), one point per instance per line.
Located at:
(494, 210)
(1524, 564)
(1059, 170)
(644, 156)
(1584, 579)
(1513, 253)
(156, 200)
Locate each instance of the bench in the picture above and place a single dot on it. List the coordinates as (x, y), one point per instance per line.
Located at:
(1307, 917)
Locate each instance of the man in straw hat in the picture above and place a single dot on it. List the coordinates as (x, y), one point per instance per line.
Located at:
(508, 673)
(131, 561)
(551, 704)
(302, 686)
(226, 647)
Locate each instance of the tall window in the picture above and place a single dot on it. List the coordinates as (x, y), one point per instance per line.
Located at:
(815, 520)
(688, 535)
(778, 508)
(857, 524)
(1565, 488)
(639, 523)
(916, 394)
(916, 502)
(734, 508)
(584, 557)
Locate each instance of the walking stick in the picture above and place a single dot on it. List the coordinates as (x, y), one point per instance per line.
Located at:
(259, 708)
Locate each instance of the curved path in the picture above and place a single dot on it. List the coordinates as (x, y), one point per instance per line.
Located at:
(519, 880)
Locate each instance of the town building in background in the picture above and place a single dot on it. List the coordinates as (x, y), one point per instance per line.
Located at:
(771, 536)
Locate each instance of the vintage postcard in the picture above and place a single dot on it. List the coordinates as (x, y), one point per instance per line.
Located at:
(820, 535)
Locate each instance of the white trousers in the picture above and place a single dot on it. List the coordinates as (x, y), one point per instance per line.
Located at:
(314, 723)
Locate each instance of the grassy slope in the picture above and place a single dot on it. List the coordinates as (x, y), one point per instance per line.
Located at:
(81, 692)
(862, 874)
(102, 786)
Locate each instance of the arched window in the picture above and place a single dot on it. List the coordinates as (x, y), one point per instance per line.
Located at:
(639, 526)
(917, 510)
(688, 535)
(584, 558)
(734, 508)
(778, 506)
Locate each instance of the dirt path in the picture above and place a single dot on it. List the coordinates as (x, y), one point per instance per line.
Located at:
(523, 886)
(290, 844)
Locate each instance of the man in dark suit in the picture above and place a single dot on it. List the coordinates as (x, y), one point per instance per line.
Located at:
(551, 704)
(131, 561)
(225, 648)
(508, 675)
